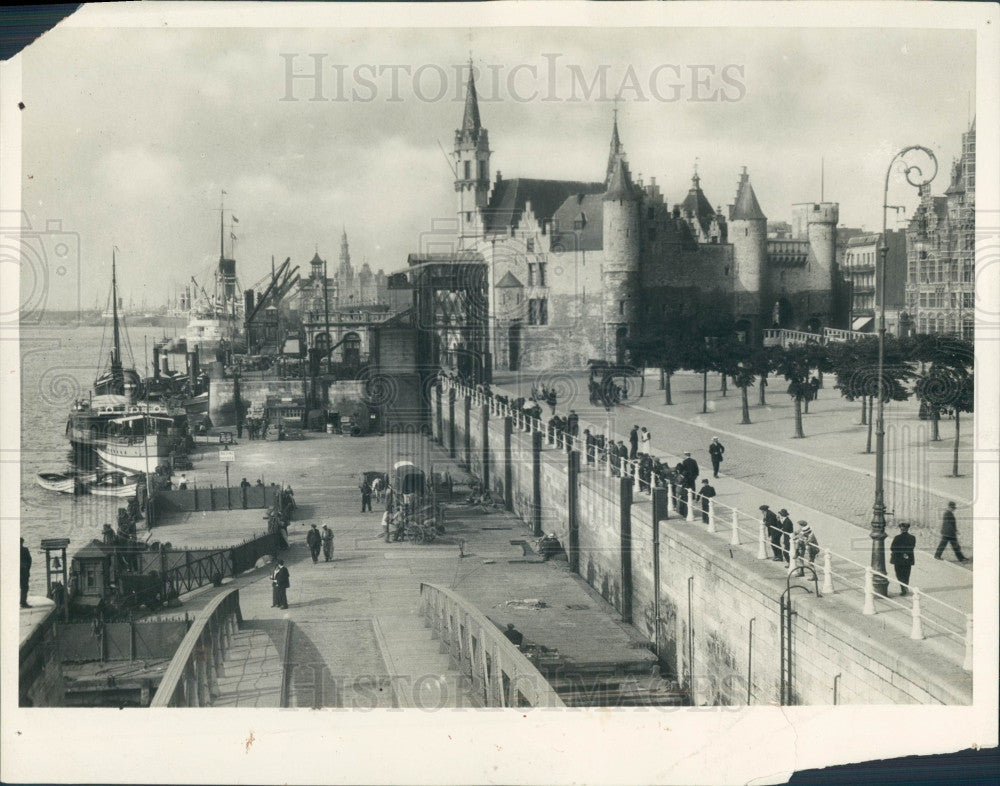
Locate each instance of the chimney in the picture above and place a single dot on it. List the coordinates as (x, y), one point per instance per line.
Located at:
(156, 361)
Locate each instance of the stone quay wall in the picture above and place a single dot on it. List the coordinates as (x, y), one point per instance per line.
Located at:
(719, 622)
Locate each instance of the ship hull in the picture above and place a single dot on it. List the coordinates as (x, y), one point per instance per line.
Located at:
(135, 454)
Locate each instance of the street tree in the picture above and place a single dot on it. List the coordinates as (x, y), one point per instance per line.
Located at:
(945, 360)
(794, 364)
(964, 401)
(764, 361)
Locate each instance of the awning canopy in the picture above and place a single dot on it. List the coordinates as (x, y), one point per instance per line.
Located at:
(863, 323)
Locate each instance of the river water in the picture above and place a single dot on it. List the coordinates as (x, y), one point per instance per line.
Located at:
(58, 365)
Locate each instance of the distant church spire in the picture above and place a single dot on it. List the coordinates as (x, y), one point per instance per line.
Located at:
(470, 120)
(616, 148)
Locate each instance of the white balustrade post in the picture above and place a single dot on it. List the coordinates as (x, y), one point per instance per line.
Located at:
(607, 463)
(711, 516)
(734, 536)
(869, 608)
(827, 572)
(917, 629)
(671, 492)
(967, 665)
(690, 505)
(635, 475)
(762, 542)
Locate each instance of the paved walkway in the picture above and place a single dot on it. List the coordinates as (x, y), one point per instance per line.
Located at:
(358, 638)
(825, 496)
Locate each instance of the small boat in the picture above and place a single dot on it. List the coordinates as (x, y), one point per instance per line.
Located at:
(115, 484)
(65, 482)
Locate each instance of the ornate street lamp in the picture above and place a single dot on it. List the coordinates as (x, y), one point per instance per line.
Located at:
(915, 176)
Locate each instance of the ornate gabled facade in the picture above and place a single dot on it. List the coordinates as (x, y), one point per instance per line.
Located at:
(578, 267)
(941, 252)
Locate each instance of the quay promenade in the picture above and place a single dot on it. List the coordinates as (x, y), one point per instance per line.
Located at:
(358, 637)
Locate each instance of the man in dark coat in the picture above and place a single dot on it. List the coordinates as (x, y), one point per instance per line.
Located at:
(588, 442)
(25, 573)
(706, 492)
(689, 469)
(774, 531)
(366, 495)
(680, 492)
(715, 451)
(949, 534)
(280, 583)
(788, 528)
(314, 540)
(573, 423)
(902, 558)
(633, 442)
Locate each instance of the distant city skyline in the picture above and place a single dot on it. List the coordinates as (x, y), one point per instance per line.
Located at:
(133, 151)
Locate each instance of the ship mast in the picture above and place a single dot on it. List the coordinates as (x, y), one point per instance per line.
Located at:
(117, 375)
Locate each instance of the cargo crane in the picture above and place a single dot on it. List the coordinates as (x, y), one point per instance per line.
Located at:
(256, 307)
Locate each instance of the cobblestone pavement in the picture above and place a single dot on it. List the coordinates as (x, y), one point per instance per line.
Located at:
(824, 482)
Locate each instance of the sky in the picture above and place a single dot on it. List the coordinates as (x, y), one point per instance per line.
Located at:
(131, 135)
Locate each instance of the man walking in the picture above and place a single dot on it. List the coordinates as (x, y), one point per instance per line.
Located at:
(715, 450)
(789, 533)
(706, 493)
(689, 469)
(633, 442)
(280, 584)
(25, 573)
(902, 558)
(314, 540)
(774, 531)
(949, 534)
(327, 543)
(366, 495)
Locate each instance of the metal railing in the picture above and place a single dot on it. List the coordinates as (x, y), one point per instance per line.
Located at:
(191, 679)
(500, 673)
(744, 529)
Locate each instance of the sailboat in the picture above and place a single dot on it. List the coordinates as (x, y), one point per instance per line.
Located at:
(116, 392)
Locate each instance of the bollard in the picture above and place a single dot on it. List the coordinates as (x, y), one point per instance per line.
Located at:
(967, 665)
(762, 542)
(827, 573)
(917, 631)
(690, 505)
(869, 593)
(635, 476)
(671, 492)
(711, 516)
(734, 537)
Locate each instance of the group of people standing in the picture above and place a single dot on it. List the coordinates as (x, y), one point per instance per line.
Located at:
(317, 539)
(789, 543)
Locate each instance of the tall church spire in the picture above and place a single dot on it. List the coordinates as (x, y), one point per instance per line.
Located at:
(470, 120)
(616, 148)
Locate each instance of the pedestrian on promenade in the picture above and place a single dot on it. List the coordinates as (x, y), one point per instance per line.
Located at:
(314, 540)
(327, 543)
(550, 399)
(806, 545)
(949, 534)
(902, 558)
(183, 482)
(588, 443)
(260, 483)
(774, 531)
(366, 495)
(680, 495)
(244, 484)
(513, 635)
(715, 450)
(280, 583)
(377, 488)
(573, 423)
(789, 534)
(633, 442)
(390, 497)
(689, 469)
(25, 574)
(645, 438)
(706, 493)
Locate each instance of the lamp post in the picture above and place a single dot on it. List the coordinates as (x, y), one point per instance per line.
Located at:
(915, 177)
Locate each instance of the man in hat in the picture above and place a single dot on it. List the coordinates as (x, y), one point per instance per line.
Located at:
(806, 545)
(949, 534)
(706, 492)
(715, 451)
(314, 540)
(280, 583)
(327, 543)
(633, 442)
(774, 531)
(789, 532)
(902, 558)
(689, 468)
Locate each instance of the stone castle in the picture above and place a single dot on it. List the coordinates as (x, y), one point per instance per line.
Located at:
(578, 267)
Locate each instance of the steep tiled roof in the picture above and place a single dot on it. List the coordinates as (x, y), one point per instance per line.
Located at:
(509, 198)
(620, 183)
(746, 207)
(470, 120)
(588, 209)
(697, 205)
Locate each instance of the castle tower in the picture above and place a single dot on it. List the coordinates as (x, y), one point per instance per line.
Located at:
(821, 268)
(620, 269)
(472, 165)
(748, 234)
